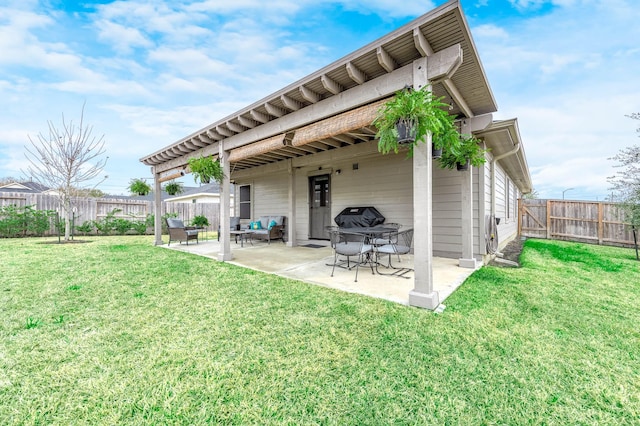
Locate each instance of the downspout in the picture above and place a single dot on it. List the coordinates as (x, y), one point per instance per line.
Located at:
(515, 149)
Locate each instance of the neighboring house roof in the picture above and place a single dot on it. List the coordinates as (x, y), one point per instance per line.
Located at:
(26, 187)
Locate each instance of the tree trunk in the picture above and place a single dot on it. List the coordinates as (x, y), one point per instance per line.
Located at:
(67, 219)
(635, 241)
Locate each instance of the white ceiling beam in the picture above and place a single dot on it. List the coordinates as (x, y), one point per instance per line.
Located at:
(214, 135)
(290, 103)
(457, 97)
(246, 122)
(331, 85)
(309, 94)
(355, 73)
(234, 127)
(198, 142)
(204, 139)
(421, 43)
(385, 60)
(224, 131)
(274, 110)
(258, 116)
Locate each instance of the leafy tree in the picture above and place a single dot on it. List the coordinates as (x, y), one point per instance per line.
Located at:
(7, 180)
(626, 183)
(533, 195)
(66, 160)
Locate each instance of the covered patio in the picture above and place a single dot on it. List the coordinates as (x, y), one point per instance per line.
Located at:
(309, 150)
(310, 265)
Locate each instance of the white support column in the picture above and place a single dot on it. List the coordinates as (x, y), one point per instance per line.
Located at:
(291, 215)
(467, 259)
(466, 189)
(466, 205)
(225, 206)
(157, 209)
(423, 295)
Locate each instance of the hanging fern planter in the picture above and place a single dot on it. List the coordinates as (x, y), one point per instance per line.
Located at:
(406, 129)
(409, 116)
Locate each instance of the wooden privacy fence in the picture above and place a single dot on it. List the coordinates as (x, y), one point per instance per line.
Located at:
(583, 221)
(91, 209)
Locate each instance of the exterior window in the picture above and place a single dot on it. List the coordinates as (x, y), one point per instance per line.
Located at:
(245, 202)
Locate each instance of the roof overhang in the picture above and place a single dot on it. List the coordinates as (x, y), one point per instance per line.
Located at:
(369, 74)
(503, 139)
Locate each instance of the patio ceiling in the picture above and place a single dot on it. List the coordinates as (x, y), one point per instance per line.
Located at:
(367, 75)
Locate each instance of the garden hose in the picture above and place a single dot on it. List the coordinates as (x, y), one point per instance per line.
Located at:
(491, 234)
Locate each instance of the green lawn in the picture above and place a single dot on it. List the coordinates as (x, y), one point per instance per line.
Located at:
(116, 331)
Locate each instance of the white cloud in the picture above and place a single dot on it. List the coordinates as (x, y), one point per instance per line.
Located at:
(122, 39)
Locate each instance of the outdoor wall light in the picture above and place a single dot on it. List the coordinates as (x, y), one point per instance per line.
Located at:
(338, 171)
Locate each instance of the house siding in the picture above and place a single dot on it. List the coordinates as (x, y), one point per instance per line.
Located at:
(385, 182)
(508, 227)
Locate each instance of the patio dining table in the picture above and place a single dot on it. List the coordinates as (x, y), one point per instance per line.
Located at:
(371, 233)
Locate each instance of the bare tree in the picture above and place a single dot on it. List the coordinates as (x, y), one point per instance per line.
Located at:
(626, 184)
(66, 160)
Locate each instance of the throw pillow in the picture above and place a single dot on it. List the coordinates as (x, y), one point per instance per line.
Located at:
(272, 224)
(257, 225)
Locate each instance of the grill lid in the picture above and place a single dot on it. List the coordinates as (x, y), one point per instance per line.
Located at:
(354, 217)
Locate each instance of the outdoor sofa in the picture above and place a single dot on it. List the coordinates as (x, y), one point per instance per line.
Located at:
(268, 228)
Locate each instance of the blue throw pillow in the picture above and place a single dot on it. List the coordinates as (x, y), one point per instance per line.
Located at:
(256, 225)
(272, 224)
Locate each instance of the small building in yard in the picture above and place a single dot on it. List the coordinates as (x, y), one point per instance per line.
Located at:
(309, 150)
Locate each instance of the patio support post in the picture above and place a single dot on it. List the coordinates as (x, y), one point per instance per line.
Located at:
(466, 204)
(466, 189)
(291, 214)
(157, 208)
(423, 295)
(225, 206)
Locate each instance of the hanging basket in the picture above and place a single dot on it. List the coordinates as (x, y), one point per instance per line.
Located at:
(435, 153)
(463, 166)
(406, 131)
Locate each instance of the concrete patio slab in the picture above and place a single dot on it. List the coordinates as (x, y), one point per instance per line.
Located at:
(312, 265)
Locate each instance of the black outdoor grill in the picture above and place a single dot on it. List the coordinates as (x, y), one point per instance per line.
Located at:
(359, 217)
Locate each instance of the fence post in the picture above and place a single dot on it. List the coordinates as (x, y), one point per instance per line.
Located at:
(519, 217)
(600, 223)
(548, 219)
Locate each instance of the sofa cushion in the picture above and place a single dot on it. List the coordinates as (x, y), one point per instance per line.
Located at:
(175, 223)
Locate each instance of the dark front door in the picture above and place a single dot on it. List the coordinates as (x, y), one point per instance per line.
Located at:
(319, 206)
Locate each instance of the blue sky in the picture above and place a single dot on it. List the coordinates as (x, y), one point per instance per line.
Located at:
(152, 72)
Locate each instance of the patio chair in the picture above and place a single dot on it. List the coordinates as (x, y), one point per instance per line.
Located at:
(386, 239)
(400, 244)
(179, 232)
(348, 244)
(234, 225)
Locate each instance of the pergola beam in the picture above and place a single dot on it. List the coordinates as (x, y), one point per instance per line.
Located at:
(274, 110)
(455, 94)
(310, 95)
(290, 103)
(385, 60)
(331, 85)
(355, 73)
(421, 43)
(258, 116)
